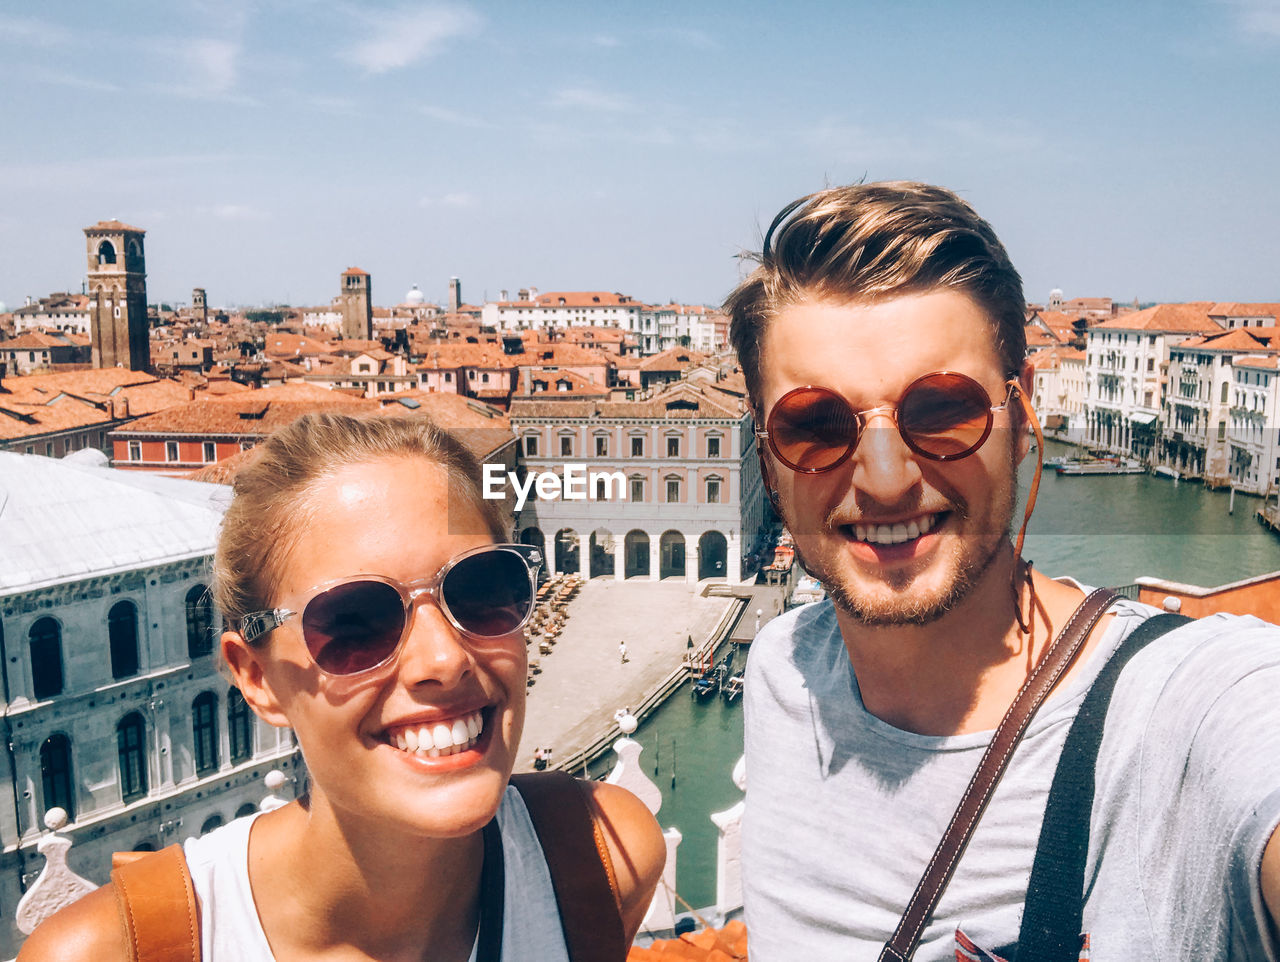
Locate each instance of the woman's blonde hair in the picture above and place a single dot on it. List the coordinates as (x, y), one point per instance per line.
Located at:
(270, 504)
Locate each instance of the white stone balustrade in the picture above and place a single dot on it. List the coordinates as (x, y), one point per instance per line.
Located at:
(729, 849)
(628, 774)
(57, 885)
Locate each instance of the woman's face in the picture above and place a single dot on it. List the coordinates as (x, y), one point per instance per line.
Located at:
(396, 518)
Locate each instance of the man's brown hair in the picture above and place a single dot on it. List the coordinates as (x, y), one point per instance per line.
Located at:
(867, 242)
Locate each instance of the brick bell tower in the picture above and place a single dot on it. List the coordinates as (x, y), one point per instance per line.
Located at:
(118, 296)
(356, 299)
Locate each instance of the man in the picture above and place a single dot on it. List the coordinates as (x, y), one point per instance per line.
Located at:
(875, 308)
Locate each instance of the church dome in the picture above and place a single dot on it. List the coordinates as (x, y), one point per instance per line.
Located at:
(414, 296)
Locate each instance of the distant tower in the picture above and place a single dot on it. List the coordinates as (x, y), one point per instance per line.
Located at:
(117, 296)
(1055, 300)
(200, 304)
(455, 295)
(357, 305)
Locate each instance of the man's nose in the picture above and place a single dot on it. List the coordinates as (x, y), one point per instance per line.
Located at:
(883, 466)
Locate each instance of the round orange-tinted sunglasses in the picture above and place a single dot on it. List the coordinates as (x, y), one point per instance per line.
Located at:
(943, 416)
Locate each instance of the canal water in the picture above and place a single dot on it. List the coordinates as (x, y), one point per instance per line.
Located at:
(1104, 530)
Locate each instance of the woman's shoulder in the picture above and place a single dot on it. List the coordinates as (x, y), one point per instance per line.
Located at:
(636, 847)
(87, 930)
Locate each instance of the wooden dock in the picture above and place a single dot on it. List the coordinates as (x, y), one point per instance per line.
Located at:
(1270, 516)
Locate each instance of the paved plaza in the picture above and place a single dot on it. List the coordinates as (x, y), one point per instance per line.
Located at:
(584, 680)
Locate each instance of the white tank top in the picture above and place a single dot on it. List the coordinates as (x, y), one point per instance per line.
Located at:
(230, 930)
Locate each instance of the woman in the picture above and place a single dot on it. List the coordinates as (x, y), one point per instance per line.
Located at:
(378, 615)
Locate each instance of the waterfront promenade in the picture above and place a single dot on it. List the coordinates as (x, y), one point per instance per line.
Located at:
(584, 681)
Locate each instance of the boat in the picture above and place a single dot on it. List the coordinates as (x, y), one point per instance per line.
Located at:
(808, 589)
(732, 689)
(1101, 466)
(1164, 471)
(704, 687)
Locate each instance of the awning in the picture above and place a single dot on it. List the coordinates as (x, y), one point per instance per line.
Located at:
(1141, 418)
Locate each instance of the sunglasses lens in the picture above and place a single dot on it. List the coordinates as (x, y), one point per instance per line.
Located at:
(489, 594)
(354, 626)
(811, 429)
(945, 416)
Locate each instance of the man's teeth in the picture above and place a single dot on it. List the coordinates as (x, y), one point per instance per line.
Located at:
(895, 533)
(440, 738)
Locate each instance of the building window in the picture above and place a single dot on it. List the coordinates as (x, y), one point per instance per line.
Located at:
(46, 658)
(713, 490)
(1224, 392)
(673, 447)
(199, 622)
(566, 445)
(210, 823)
(210, 452)
(713, 447)
(1222, 430)
(122, 630)
(171, 450)
(204, 730)
(673, 490)
(637, 489)
(448, 377)
(531, 445)
(602, 446)
(55, 774)
(246, 445)
(239, 726)
(130, 749)
(637, 447)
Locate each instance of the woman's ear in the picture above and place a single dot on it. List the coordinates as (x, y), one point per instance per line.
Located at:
(247, 670)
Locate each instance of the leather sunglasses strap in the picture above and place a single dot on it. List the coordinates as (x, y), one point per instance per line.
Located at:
(995, 760)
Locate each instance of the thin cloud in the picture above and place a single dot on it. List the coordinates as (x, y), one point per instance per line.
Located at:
(44, 75)
(690, 37)
(584, 98)
(215, 64)
(447, 116)
(456, 199)
(401, 37)
(1257, 18)
(231, 212)
(604, 40)
(28, 31)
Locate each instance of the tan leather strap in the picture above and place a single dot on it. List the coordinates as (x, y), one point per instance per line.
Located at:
(157, 906)
(581, 870)
(995, 760)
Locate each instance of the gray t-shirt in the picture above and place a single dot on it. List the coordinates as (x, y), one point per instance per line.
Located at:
(843, 811)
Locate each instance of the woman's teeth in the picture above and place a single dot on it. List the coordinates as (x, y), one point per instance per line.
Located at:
(895, 533)
(440, 738)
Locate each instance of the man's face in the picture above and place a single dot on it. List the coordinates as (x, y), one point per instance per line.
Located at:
(895, 537)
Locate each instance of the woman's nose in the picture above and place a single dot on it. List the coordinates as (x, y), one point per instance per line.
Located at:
(434, 651)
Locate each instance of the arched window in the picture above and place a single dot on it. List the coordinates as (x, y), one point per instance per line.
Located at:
(55, 773)
(46, 658)
(131, 736)
(199, 622)
(106, 253)
(122, 629)
(204, 728)
(239, 726)
(248, 808)
(210, 823)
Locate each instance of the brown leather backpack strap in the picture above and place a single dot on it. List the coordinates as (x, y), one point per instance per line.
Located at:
(157, 905)
(1051, 667)
(578, 859)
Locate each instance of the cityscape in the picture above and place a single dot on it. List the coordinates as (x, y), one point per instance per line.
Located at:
(519, 224)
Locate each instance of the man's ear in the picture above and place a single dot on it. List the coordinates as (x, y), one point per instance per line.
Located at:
(1026, 384)
(246, 664)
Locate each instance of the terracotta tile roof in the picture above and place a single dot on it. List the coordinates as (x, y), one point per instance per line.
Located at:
(673, 359)
(282, 344)
(1189, 318)
(708, 945)
(48, 403)
(238, 415)
(1271, 363)
(114, 226)
(452, 355)
(578, 386)
(557, 354)
(38, 340)
(355, 272)
(1235, 309)
(1238, 339)
(585, 299)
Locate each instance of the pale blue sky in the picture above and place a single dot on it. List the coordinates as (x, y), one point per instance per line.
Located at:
(1129, 149)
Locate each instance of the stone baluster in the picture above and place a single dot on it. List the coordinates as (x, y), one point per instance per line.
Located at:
(729, 849)
(274, 780)
(57, 885)
(628, 774)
